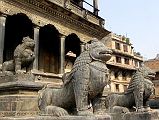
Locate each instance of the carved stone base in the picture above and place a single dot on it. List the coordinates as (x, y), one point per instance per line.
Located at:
(6, 77)
(128, 116)
(18, 105)
(58, 118)
(19, 98)
(136, 116)
(142, 116)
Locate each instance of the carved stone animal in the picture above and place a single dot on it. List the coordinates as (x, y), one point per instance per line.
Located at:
(23, 57)
(82, 86)
(137, 94)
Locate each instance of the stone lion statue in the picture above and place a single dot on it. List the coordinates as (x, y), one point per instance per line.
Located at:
(137, 94)
(23, 57)
(82, 86)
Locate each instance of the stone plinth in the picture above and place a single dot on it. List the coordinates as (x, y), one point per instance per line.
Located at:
(4, 77)
(19, 97)
(136, 116)
(58, 118)
(141, 116)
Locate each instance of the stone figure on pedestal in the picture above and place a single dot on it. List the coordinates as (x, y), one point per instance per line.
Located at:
(82, 86)
(23, 57)
(137, 94)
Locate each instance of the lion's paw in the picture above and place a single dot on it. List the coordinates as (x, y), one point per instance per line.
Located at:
(55, 111)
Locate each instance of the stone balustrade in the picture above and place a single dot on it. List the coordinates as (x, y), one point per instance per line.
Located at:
(80, 11)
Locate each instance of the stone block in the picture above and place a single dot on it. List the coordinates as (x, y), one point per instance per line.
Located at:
(5, 77)
(105, 117)
(136, 116)
(20, 85)
(19, 98)
(141, 116)
(18, 105)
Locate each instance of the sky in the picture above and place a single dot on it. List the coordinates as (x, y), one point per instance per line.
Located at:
(136, 19)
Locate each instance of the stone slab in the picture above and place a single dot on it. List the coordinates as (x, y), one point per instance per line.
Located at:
(105, 117)
(141, 116)
(17, 85)
(19, 98)
(18, 105)
(5, 77)
(136, 116)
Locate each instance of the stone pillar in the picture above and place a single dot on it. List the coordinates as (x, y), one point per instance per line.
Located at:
(120, 76)
(121, 88)
(112, 76)
(62, 54)
(36, 49)
(95, 5)
(2, 34)
(82, 47)
(112, 86)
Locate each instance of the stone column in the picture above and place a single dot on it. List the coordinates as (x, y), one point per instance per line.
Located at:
(121, 88)
(112, 76)
(62, 54)
(82, 47)
(36, 49)
(120, 76)
(2, 34)
(95, 5)
(112, 86)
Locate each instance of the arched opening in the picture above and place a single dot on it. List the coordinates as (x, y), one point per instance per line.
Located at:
(17, 27)
(72, 50)
(49, 49)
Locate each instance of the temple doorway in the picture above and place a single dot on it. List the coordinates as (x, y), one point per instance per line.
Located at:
(49, 49)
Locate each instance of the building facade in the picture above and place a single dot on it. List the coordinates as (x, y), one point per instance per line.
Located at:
(59, 27)
(154, 65)
(123, 63)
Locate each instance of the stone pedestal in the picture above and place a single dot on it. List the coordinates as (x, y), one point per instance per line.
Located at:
(19, 95)
(7, 78)
(136, 116)
(58, 118)
(141, 116)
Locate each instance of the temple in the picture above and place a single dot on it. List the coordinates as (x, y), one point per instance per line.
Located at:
(41, 40)
(59, 28)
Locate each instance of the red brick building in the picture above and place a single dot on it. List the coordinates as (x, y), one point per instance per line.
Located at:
(154, 65)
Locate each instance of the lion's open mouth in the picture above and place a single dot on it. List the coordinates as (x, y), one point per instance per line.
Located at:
(105, 53)
(151, 75)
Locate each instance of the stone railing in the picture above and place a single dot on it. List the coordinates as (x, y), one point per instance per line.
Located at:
(122, 53)
(58, 2)
(138, 56)
(84, 13)
(115, 36)
(80, 11)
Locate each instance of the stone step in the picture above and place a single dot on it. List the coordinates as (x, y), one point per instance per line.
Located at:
(101, 117)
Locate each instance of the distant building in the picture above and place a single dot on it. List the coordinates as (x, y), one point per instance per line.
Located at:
(154, 65)
(123, 63)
